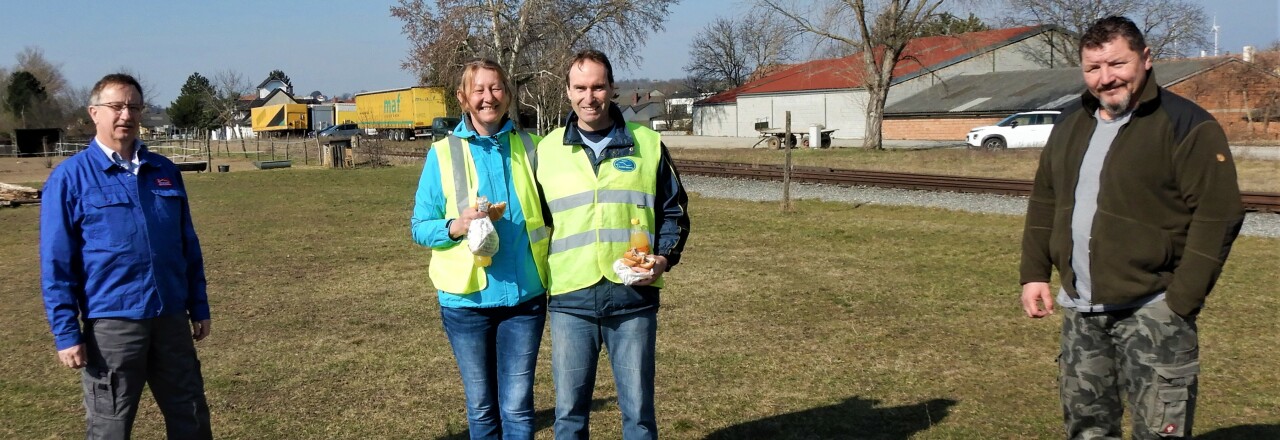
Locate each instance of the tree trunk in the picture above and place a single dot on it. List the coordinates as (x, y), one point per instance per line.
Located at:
(1248, 112)
(876, 96)
(1266, 115)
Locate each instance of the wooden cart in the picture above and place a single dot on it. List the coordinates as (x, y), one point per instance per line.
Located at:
(774, 137)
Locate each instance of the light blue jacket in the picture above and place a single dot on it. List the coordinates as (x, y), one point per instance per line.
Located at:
(513, 277)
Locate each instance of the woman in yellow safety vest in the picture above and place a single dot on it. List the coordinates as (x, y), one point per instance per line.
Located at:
(493, 310)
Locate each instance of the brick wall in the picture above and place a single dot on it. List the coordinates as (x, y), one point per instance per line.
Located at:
(1229, 92)
(937, 129)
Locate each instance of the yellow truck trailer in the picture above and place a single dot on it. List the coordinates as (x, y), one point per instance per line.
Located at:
(401, 113)
(346, 113)
(279, 117)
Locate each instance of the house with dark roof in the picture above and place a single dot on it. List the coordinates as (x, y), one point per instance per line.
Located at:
(269, 85)
(643, 113)
(155, 122)
(832, 93)
(949, 109)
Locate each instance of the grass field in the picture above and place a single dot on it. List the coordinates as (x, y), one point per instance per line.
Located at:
(832, 322)
(1254, 175)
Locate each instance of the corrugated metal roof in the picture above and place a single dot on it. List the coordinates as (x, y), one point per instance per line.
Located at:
(994, 92)
(919, 56)
(1024, 90)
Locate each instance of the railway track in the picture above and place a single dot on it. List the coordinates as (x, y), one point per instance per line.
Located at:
(1253, 201)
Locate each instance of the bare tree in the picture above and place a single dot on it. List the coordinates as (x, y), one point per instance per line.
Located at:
(530, 38)
(716, 54)
(948, 24)
(728, 50)
(148, 86)
(50, 112)
(228, 87)
(699, 85)
(1171, 27)
(677, 118)
(31, 59)
(1255, 84)
(880, 37)
(7, 121)
(544, 96)
(76, 99)
(766, 41)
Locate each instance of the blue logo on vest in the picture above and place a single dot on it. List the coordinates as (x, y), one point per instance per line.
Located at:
(624, 165)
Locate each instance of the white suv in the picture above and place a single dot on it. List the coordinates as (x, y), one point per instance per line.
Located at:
(1022, 130)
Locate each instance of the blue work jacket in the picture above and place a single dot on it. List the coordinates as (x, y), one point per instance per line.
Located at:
(117, 245)
(513, 276)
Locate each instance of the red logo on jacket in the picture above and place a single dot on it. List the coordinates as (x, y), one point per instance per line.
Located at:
(164, 182)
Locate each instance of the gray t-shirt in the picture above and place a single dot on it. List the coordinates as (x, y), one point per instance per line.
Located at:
(597, 140)
(1083, 214)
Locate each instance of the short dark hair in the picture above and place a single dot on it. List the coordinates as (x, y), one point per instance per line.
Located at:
(1107, 29)
(595, 56)
(115, 79)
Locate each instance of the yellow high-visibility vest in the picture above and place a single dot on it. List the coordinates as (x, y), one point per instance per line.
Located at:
(454, 270)
(592, 211)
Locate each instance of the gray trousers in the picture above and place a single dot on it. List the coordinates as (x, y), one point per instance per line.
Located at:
(126, 354)
(1149, 355)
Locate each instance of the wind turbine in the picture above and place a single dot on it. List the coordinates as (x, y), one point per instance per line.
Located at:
(1216, 29)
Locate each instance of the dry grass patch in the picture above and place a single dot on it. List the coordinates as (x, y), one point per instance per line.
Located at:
(832, 322)
(1254, 175)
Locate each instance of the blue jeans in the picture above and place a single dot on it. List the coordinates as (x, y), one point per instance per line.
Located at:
(497, 350)
(575, 351)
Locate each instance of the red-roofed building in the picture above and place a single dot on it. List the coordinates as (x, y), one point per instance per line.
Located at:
(831, 92)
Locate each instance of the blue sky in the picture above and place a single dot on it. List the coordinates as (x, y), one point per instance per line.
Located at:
(340, 46)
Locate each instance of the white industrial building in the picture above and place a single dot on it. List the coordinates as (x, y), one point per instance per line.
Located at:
(830, 92)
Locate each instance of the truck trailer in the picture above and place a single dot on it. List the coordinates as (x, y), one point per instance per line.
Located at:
(346, 113)
(280, 118)
(321, 116)
(401, 114)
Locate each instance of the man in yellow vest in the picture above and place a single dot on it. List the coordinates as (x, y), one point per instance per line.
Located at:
(604, 179)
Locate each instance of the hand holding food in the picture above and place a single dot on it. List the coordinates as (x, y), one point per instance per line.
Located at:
(636, 268)
(482, 238)
(638, 260)
(496, 210)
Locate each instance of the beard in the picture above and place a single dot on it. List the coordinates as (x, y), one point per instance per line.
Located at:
(1119, 107)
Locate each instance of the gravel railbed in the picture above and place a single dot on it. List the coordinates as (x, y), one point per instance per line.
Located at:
(1255, 224)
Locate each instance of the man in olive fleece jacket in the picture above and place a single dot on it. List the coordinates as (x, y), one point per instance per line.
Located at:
(1136, 203)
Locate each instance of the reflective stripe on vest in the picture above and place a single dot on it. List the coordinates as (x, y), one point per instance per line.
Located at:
(453, 270)
(592, 210)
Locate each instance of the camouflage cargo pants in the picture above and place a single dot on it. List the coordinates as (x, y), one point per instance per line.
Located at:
(1149, 355)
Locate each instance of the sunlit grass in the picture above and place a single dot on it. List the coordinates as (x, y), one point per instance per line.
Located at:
(831, 322)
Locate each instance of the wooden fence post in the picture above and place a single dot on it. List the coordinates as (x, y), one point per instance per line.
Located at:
(786, 167)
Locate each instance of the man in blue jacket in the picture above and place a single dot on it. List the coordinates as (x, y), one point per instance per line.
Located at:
(122, 274)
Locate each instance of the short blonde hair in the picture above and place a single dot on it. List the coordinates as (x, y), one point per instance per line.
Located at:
(469, 70)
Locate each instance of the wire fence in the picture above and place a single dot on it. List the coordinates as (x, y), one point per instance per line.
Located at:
(49, 150)
(194, 146)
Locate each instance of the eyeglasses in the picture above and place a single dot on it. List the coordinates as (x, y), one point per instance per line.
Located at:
(120, 106)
